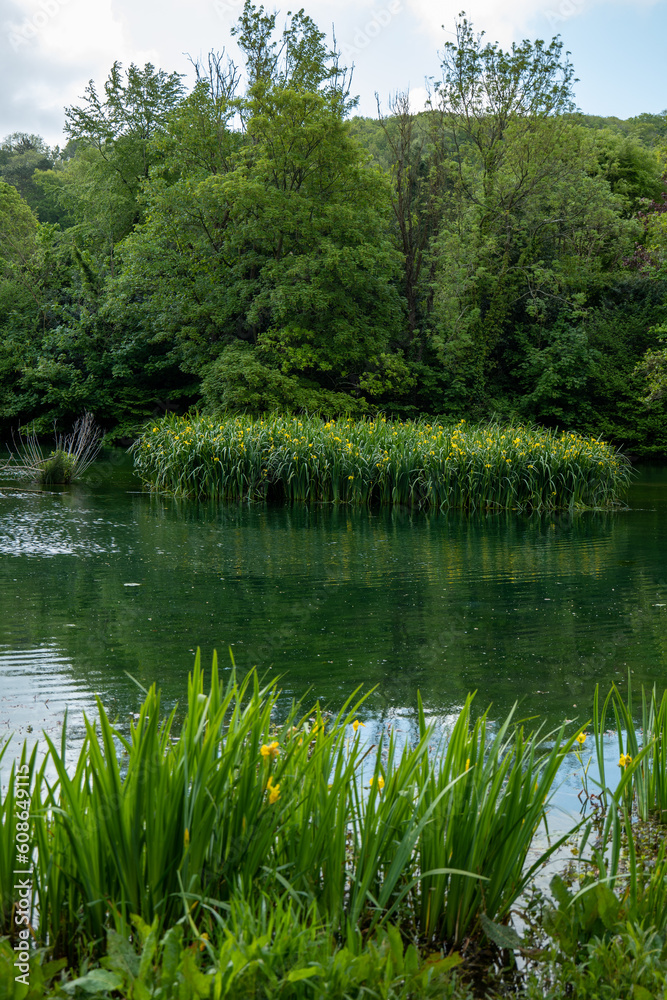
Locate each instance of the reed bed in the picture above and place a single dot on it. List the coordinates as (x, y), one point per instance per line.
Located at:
(172, 829)
(240, 856)
(363, 462)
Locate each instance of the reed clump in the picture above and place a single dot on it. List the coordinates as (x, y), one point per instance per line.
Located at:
(72, 454)
(157, 826)
(246, 856)
(364, 462)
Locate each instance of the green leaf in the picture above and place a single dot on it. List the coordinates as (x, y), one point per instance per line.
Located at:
(95, 982)
(500, 934)
(122, 957)
(298, 974)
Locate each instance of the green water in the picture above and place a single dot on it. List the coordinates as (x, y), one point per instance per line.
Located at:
(99, 580)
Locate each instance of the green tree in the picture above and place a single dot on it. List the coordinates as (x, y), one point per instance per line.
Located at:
(421, 180)
(632, 171)
(532, 228)
(277, 237)
(115, 133)
(653, 367)
(20, 156)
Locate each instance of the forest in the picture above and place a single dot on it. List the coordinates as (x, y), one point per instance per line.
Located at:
(251, 245)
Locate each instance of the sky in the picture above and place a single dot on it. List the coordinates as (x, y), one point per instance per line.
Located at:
(50, 49)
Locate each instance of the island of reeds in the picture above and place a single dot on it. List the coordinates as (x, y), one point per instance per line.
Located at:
(232, 850)
(378, 461)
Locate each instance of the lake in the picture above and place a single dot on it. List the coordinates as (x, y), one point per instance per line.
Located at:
(101, 583)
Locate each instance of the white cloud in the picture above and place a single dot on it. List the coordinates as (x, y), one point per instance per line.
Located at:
(501, 22)
(509, 22)
(418, 97)
(50, 49)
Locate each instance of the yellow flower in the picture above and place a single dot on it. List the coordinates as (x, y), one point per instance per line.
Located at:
(186, 838)
(272, 750)
(467, 763)
(581, 739)
(624, 760)
(350, 477)
(380, 781)
(273, 790)
(356, 724)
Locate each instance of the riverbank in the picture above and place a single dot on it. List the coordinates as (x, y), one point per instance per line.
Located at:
(240, 857)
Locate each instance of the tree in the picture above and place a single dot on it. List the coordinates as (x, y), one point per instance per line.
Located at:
(421, 178)
(298, 59)
(277, 235)
(288, 250)
(532, 225)
(494, 103)
(115, 135)
(20, 156)
(18, 233)
(653, 367)
(632, 171)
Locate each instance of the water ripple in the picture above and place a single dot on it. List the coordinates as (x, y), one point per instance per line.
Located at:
(45, 535)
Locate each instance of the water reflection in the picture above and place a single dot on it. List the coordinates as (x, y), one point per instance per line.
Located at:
(38, 687)
(102, 580)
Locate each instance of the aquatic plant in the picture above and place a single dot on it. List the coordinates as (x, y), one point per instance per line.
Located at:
(486, 466)
(642, 750)
(158, 826)
(72, 454)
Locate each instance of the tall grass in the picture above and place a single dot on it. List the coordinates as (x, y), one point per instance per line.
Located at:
(377, 461)
(642, 751)
(173, 828)
(72, 455)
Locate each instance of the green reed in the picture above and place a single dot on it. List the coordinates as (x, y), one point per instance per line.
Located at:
(172, 827)
(642, 751)
(486, 466)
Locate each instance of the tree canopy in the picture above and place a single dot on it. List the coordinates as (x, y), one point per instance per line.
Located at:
(247, 244)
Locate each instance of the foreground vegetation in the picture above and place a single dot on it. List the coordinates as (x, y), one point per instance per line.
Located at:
(248, 245)
(378, 461)
(243, 857)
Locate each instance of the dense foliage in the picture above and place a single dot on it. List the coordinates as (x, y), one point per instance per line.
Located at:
(245, 856)
(253, 247)
(482, 467)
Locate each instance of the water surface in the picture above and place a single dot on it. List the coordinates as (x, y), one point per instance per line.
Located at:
(100, 580)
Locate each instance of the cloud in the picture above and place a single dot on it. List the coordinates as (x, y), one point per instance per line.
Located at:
(501, 22)
(510, 22)
(49, 50)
